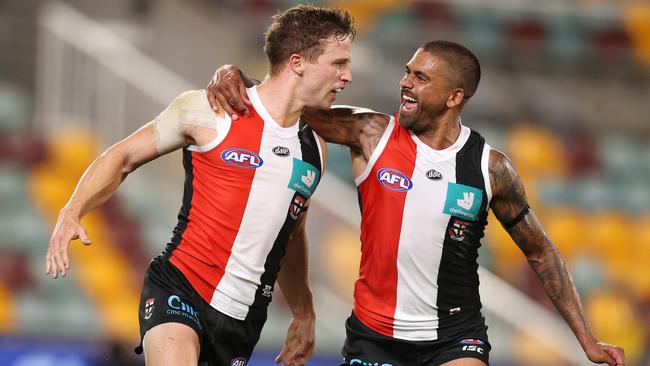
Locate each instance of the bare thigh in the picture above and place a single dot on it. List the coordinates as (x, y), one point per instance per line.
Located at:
(171, 344)
(465, 362)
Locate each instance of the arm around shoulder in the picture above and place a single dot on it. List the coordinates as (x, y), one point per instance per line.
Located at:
(347, 125)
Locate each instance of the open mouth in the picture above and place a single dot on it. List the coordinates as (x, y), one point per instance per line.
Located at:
(335, 91)
(408, 103)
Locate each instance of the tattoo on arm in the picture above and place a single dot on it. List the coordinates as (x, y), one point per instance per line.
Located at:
(347, 126)
(509, 199)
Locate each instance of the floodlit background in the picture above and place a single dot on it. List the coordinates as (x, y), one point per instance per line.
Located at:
(565, 93)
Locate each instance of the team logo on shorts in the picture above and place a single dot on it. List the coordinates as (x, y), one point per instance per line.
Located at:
(148, 308)
(239, 361)
(394, 179)
(296, 207)
(457, 230)
(242, 158)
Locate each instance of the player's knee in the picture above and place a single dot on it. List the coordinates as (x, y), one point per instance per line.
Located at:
(171, 344)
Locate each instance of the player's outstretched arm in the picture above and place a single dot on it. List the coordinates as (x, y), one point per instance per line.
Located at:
(181, 123)
(293, 280)
(510, 206)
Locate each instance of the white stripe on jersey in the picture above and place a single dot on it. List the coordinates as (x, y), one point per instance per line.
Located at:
(418, 264)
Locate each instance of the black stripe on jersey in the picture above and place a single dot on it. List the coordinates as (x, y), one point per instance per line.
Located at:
(184, 212)
(458, 301)
(311, 155)
(309, 146)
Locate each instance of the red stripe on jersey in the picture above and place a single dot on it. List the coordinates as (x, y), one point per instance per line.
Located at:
(375, 293)
(219, 198)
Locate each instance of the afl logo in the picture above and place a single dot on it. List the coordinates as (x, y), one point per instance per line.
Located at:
(242, 158)
(281, 151)
(239, 361)
(394, 179)
(434, 174)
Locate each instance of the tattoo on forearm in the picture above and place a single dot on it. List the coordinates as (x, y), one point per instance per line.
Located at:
(342, 126)
(556, 280)
(509, 198)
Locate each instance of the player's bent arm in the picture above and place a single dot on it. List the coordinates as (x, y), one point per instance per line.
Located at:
(174, 128)
(347, 125)
(510, 205)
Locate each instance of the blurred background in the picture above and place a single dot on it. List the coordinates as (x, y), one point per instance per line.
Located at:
(565, 93)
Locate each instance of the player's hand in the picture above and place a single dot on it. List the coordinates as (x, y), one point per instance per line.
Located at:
(67, 228)
(299, 344)
(600, 352)
(228, 91)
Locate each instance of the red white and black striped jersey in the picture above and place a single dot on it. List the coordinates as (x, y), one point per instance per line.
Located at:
(243, 194)
(423, 214)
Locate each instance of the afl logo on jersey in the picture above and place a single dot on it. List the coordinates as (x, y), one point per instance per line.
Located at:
(394, 179)
(242, 158)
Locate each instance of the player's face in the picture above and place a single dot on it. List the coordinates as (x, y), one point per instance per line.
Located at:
(425, 90)
(326, 77)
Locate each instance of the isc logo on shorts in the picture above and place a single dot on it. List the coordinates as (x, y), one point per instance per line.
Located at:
(242, 158)
(394, 179)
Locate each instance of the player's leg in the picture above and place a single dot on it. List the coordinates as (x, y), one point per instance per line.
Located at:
(465, 362)
(170, 325)
(171, 344)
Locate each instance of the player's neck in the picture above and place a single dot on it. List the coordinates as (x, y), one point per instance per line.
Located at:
(278, 95)
(443, 133)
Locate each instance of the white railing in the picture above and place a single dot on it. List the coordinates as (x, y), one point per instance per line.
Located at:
(86, 74)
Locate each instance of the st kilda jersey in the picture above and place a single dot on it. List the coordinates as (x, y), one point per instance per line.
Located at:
(243, 195)
(423, 214)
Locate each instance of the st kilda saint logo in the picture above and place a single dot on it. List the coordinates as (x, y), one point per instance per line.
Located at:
(148, 308)
(297, 206)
